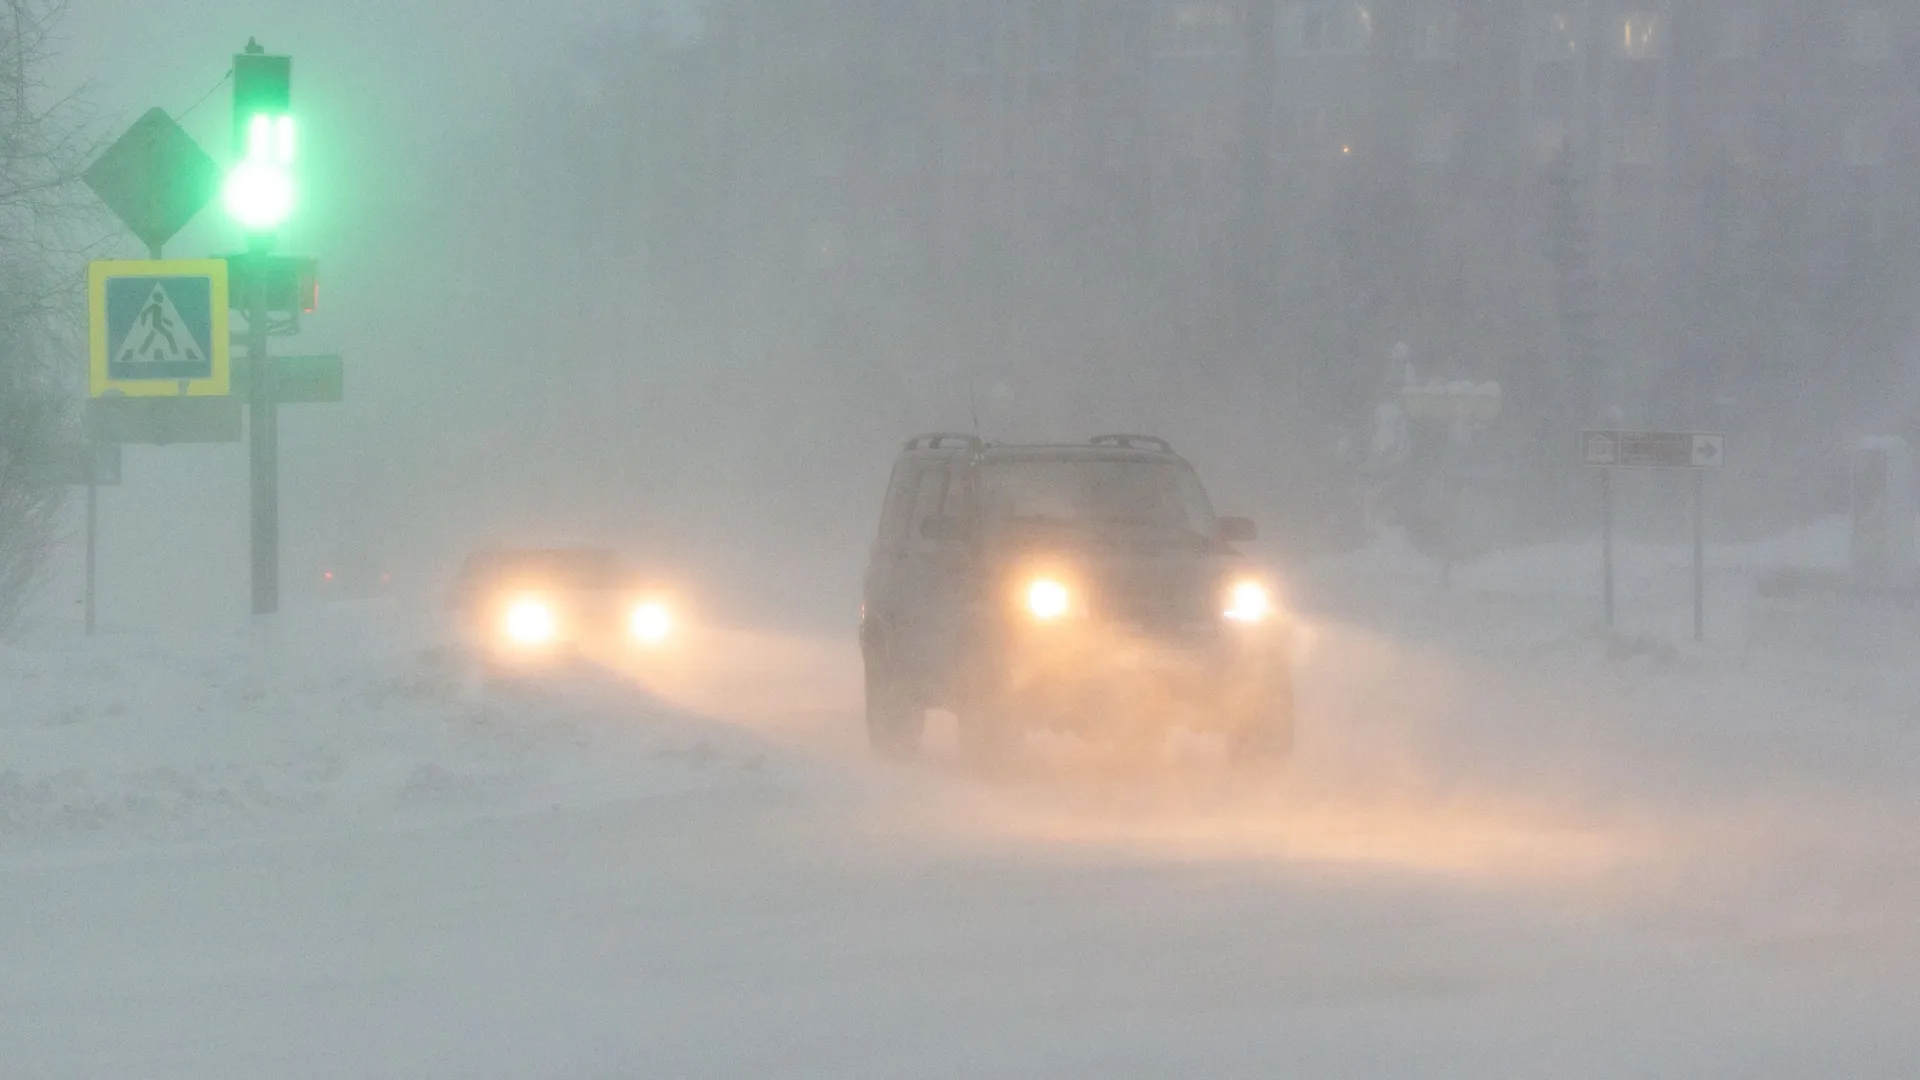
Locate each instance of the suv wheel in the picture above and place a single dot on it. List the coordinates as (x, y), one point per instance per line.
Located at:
(894, 722)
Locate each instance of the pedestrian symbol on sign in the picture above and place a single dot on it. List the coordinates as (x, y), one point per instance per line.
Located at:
(166, 338)
(157, 329)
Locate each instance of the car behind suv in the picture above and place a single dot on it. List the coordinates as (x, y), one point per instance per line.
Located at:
(525, 613)
(1088, 588)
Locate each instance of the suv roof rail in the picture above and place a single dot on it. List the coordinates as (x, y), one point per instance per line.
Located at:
(942, 440)
(1135, 442)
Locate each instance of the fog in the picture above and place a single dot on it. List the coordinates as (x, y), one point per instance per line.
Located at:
(681, 277)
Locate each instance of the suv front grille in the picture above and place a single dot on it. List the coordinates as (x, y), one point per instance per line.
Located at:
(1159, 601)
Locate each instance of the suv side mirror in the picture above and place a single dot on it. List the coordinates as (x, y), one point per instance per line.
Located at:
(943, 528)
(1238, 530)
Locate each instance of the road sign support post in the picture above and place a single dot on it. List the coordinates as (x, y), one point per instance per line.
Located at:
(93, 532)
(1699, 555)
(263, 423)
(1606, 540)
(1695, 450)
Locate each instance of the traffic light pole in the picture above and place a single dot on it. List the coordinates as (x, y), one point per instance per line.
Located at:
(263, 432)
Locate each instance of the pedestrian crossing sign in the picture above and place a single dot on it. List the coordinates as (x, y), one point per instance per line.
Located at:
(158, 328)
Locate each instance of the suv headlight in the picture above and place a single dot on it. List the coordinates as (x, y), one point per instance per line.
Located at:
(650, 622)
(1048, 600)
(530, 622)
(1248, 602)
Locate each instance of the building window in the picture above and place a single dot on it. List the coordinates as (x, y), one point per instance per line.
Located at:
(1434, 140)
(1556, 37)
(1052, 40)
(1326, 28)
(1549, 139)
(1435, 33)
(1870, 36)
(1197, 28)
(976, 35)
(1643, 36)
(1866, 142)
(1739, 34)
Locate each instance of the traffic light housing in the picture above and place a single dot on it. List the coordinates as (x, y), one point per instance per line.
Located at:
(259, 190)
(288, 284)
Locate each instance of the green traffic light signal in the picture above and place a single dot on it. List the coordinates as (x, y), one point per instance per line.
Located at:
(259, 190)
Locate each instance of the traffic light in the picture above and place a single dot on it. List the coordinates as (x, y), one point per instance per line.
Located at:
(259, 190)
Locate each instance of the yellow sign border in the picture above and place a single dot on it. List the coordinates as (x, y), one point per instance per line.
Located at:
(218, 384)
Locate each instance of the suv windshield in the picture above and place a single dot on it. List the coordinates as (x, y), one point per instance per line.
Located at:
(1104, 492)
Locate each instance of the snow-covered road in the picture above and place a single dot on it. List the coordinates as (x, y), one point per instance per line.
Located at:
(1508, 849)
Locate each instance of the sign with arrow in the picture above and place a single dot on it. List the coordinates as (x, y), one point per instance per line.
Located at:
(1653, 449)
(158, 329)
(155, 178)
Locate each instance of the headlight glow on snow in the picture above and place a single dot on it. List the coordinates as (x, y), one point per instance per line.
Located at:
(1048, 600)
(530, 622)
(1248, 602)
(651, 622)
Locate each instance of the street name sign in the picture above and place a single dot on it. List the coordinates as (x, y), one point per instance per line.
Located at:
(158, 328)
(155, 178)
(1653, 449)
(307, 380)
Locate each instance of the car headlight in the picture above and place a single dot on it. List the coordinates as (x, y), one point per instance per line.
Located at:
(530, 622)
(1248, 602)
(1048, 600)
(650, 623)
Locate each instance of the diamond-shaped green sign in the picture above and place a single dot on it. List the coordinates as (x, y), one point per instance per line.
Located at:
(155, 177)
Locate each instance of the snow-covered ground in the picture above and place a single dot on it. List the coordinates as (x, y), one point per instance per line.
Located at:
(1512, 846)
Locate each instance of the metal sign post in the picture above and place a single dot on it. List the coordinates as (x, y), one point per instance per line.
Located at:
(263, 452)
(1695, 450)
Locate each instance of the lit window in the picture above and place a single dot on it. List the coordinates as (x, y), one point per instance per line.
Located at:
(1434, 144)
(1437, 29)
(1643, 36)
(1326, 28)
(1870, 36)
(1866, 142)
(1557, 38)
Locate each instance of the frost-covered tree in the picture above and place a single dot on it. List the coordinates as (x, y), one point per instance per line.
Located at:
(42, 145)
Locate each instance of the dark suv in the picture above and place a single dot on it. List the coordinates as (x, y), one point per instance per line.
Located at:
(1087, 588)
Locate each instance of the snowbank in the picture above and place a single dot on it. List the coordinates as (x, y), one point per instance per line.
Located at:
(347, 720)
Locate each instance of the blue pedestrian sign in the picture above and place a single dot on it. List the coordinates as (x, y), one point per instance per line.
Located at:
(158, 328)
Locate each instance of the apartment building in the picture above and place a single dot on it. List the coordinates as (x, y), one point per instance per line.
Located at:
(1712, 155)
